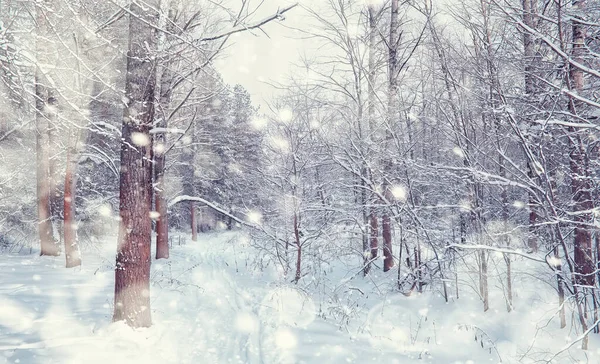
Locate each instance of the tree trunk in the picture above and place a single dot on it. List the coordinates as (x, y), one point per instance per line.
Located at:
(365, 224)
(418, 270)
(299, 252)
(578, 159)
(194, 221)
(160, 145)
(388, 261)
(56, 201)
(386, 224)
(46, 234)
(561, 290)
(72, 253)
(371, 218)
(160, 206)
(132, 273)
(529, 9)
(578, 163)
(374, 234)
(45, 105)
(160, 202)
(483, 280)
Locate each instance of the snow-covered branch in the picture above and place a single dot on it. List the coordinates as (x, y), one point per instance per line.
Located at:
(244, 27)
(213, 206)
(495, 249)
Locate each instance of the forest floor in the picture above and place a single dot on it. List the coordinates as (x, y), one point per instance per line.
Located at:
(213, 302)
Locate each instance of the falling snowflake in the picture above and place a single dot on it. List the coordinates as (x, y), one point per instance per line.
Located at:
(254, 217)
(258, 123)
(246, 322)
(399, 193)
(105, 210)
(286, 115)
(140, 139)
(458, 151)
(285, 339)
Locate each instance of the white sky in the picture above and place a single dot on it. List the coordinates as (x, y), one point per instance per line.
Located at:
(253, 58)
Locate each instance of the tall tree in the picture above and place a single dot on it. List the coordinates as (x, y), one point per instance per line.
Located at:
(164, 95)
(581, 187)
(132, 272)
(72, 253)
(370, 240)
(46, 104)
(393, 71)
(529, 9)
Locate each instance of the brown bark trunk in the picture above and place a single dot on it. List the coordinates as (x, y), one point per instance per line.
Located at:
(580, 180)
(299, 252)
(371, 219)
(160, 202)
(386, 227)
(72, 253)
(418, 269)
(53, 174)
(529, 8)
(532, 240)
(194, 221)
(44, 104)
(160, 205)
(132, 273)
(386, 224)
(160, 145)
(46, 232)
(298, 264)
(374, 234)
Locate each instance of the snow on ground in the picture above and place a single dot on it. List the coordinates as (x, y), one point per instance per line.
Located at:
(212, 303)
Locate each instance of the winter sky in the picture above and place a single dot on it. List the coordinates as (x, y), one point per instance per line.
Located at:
(257, 60)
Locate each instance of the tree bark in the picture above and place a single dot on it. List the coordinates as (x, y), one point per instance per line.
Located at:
(132, 273)
(45, 104)
(46, 232)
(388, 261)
(495, 103)
(483, 280)
(580, 179)
(299, 247)
(72, 253)
(374, 234)
(386, 224)
(194, 221)
(371, 218)
(160, 206)
(529, 9)
(561, 290)
(160, 145)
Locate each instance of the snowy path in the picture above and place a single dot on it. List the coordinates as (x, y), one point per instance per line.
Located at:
(212, 303)
(208, 306)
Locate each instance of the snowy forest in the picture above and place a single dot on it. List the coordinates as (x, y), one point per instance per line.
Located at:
(309, 181)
